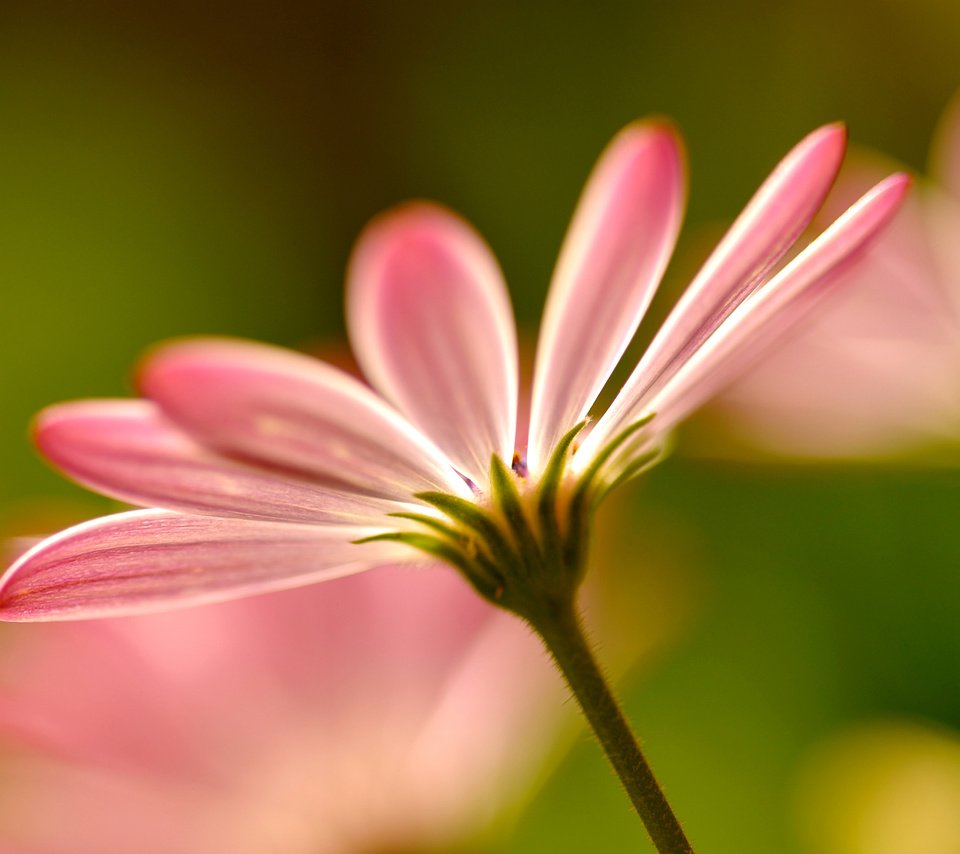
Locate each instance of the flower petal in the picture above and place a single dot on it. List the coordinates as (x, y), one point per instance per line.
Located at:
(766, 315)
(148, 560)
(128, 450)
(431, 326)
(761, 235)
(280, 408)
(945, 154)
(614, 255)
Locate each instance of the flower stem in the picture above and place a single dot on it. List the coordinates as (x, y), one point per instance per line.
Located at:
(562, 633)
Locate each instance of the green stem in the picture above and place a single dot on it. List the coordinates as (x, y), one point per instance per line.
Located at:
(563, 635)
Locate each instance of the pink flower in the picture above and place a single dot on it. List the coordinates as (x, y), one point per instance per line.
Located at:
(269, 466)
(392, 710)
(878, 372)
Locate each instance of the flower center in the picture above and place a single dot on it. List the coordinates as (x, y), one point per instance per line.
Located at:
(524, 546)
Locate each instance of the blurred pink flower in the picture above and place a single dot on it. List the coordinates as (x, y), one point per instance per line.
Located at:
(270, 465)
(393, 710)
(877, 373)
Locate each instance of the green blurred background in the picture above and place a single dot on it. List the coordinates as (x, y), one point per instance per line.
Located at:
(168, 169)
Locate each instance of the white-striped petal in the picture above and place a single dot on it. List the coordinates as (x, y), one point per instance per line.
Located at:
(129, 450)
(779, 305)
(432, 328)
(280, 408)
(148, 560)
(765, 230)
(614, 255)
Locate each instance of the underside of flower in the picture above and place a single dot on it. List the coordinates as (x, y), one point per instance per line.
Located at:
(524, 546)
(259, 469)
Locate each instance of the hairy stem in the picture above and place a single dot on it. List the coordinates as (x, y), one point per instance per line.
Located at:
(562, 633)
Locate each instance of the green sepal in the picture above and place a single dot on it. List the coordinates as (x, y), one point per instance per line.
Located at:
(424, 542)
(547, 495)
(636, 467)
(505, 495)
(590, 473)
(436, 524)
(482, 574)
(582, 503)
(469, 514)
(553, 473)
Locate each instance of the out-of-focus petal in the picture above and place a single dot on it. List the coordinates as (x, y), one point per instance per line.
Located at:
(148, 814)
(941, 224)
(445, 763)
(245, 726)
(766, 315)
(129, 450)
(945, 156)
(280, 408)
(149, 560)
(873, 373)
(432, 328)
(614, 255)
(759, 238)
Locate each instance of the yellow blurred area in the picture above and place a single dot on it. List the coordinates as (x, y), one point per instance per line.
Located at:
(882, 788)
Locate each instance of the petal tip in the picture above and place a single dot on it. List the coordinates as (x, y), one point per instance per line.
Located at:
(658, 129)
(657, 142)
(14, 611)
(822, 149)
(42, 431)
(891, 191)
(904, 180)
(837, 129)
(48, 427)
(830, 142)
(43, 421)
(402, 233)
(166, 359)
(152, 362)
(658, 123)
(404, 220)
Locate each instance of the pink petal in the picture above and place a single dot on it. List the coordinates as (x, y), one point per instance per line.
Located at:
(766, 315)
(245, 727)
(761, 235)
(506, 654)
(432, 328)
(62, 808)
(612, 260)
(280, 408)
(941, 224)
(149, 560)
(128, 450)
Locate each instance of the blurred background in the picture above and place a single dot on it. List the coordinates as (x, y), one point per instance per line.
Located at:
(177, 168)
